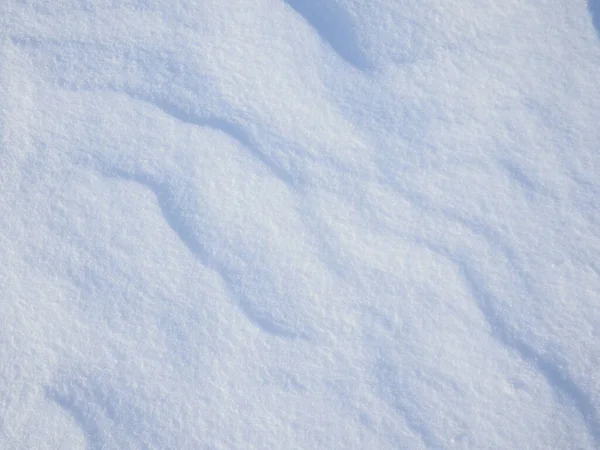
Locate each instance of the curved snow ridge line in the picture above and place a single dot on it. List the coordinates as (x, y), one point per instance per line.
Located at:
(502, 332)
(559, 380)
(102, 413)
(86, 424)
(207, 257)
(528, 186)
(335, 26)
(561, 383)
(391, 391)
(228, 127)
(234, 130)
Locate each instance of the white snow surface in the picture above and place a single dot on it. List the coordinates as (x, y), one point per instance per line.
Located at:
(312, 224)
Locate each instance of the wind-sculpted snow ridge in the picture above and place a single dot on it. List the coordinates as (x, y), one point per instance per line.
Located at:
(288, 224)
(234, 278)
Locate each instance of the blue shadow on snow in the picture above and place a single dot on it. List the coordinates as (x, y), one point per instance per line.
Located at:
(335, 26)
(594, 7)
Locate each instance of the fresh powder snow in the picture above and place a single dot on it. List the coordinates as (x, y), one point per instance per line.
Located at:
(311, 224)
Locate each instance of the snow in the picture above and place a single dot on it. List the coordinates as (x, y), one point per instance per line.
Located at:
(299, 224)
